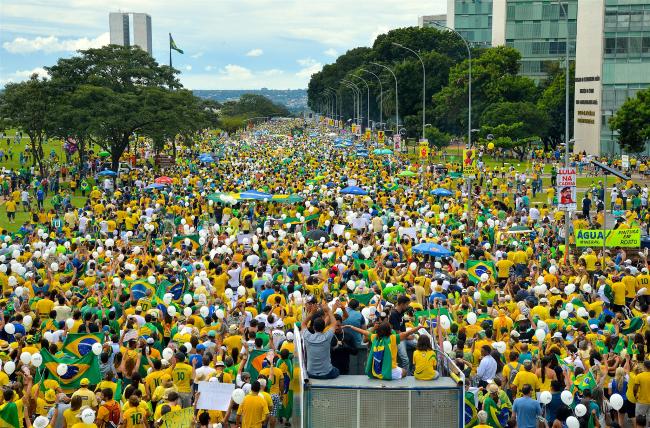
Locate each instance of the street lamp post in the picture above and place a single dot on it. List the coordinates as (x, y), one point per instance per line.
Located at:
(367, 99)
(396, 97)
(381, 96)
(355, 105)
(567, 215)
(332, 91)
(424, 83)
(359, 92)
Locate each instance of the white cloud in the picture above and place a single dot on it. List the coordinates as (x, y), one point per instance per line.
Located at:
(331, 52)
(235, 72)
(309, 67)
(49, 44)
(197, 55)
(255, 52)
(20, 75)
(208, 68)
(188, 67)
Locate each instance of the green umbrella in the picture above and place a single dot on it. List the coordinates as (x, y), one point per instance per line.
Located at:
(382, 152)
(104, 154)
(406, 173)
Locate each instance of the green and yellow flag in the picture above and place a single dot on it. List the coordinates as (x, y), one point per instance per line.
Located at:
(186, 240)
(80, 344)
(476, 268)
(77, 369)
(9, 416)
(172, 45)
(255, 362)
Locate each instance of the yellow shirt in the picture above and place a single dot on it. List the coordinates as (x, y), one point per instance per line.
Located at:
(522, 378)
(503, 268)
(88, 397)
(182, 377)
(425, 364)
(135, 417)
(618, 288)
(643, 394)
(253, 411)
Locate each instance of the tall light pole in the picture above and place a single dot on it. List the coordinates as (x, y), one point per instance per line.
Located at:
(367, 99)
(381, 96)
(469, 98)
(424, 84)
(356, 99)
(332, 92)
(567, 216)
(359, 109)
(396, 97)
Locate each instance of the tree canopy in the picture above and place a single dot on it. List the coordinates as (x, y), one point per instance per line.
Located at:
(632, 122)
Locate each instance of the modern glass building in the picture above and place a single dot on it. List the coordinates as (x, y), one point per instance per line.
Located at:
(472, 19)
(433, 21)
(538, 30)
(609, 40)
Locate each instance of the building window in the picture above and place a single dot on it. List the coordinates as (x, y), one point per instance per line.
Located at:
(621, 45)
(645, 45)
(610, 45)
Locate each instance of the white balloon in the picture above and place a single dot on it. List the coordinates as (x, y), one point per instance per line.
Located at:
(564, 314)
(187, 299)
(572, 422)
(241, 291)
(447, 346)
(582, 312)
(88, 416)
(41, 422)
(97, 348)
(569, 307)
(187, 312)
(167, 353)
(351, 285)
(27, 320)
(238, 395)
(616, 401)
(25, 357)
(477, 295)
(171, 310)
(54, 266)
(580, 410)
(471, 318)
(444, 322)
(220, 314)
(188, 346)
(545, 397)
(413, 266)
(540, 334)
(69, 322)
(567, 397)
(485, 277)
(204, 311)
(10, 328)
(10, 367)
(152, 280)
(61, 369)
(540, 280)
(19, 291)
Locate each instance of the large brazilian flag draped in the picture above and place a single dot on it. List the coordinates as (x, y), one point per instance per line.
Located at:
(255, 361)
(80, 344)
(78, 368)
(380, 362)
(9, 416)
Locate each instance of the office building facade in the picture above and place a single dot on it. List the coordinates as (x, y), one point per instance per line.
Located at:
(120, 25)
(432, 21)
(609, 40)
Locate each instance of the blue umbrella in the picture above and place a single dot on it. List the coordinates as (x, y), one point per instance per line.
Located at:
(155, 186)
(431, 249)
(107, 173)
(353, 190)
(255, 195)
(441, 192)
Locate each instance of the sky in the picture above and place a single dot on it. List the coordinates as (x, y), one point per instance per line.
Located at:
(228, 44)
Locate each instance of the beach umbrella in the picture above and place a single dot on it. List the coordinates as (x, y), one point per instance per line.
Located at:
(104, 154)
(107, 173)
(431, 249)
(406, 173)
(353, 190)
(382, 152)
(255, 195)
(441, 192)
(163, 180)
(155, 186)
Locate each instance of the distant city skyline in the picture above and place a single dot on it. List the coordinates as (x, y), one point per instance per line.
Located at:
(243, 44)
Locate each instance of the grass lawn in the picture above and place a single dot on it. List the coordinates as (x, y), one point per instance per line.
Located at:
(21, 216)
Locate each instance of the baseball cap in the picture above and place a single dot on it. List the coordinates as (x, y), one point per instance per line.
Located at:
(219, 363)
(84, 382)
(50, 396)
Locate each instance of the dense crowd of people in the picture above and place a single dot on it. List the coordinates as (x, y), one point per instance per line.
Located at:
(114, 313)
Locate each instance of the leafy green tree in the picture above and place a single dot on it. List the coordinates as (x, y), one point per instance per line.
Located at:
(251, 105)
(494, 80)
(436, 137)
(552, 101)
(632, 121)
(27, 106)
(118, 91)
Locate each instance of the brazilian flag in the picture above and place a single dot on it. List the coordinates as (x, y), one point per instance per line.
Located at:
(139, 288)
(585, 381)
(433, 313)
(78, 368)
(471, 414)
(189, 241)
(172, 45)
(635, 324)
(287, 395)
(80, 344)
(254, 364)
(495, 415)
(368, 263)
(9, 416)
(176, 290)
(380, 360)
(476, 268)
(364, 299)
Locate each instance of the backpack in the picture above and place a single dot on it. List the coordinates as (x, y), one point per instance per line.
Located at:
(113, 415)
(513, 372)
